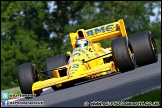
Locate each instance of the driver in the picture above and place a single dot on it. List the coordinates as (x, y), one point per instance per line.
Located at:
(82, 43)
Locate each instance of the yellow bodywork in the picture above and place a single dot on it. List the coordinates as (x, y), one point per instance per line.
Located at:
(86, 63)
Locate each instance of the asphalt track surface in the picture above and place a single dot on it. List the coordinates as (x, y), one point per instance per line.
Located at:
(108, 88)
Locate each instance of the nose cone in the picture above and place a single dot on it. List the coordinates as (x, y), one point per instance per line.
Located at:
(74, 69)
(76, 66)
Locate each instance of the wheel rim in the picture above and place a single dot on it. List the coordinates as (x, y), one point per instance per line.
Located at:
(131, 53)
(153, 46)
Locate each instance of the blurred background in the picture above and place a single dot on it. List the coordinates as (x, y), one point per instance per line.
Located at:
(32, 31)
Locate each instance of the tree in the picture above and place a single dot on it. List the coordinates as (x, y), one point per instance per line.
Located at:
(23, 37)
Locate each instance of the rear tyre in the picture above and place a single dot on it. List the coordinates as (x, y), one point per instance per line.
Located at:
(144, 47)
(55, 62)
(123, 54)
(27, 75)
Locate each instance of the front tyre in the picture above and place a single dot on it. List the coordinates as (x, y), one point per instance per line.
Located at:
(27, 75)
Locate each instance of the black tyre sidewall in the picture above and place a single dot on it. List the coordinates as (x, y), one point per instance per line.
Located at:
(26, 77)
(143, 51)
(121, 55)
(55, 62)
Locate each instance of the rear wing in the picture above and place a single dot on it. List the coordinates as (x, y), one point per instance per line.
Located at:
(100, 32)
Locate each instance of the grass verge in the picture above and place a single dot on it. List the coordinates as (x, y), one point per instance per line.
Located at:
(151, 98)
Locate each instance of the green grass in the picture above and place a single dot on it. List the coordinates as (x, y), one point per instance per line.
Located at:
(17, 92)
(153, 96)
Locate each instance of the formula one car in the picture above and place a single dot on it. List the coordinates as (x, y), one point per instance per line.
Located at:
(89, 59)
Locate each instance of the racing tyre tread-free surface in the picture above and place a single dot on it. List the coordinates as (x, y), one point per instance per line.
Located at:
(123, 54)
(27, 75)
(144, 47)
(55, 62)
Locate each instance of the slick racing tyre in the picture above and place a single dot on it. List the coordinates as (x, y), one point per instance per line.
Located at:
(27, 75)
(55, 62)
(144, 47)
(123, 54)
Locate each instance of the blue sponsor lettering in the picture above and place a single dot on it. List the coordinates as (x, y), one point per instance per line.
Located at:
(117, 27)
(75, 66)
(90, 33)
(102, 29)
(109, 27)
(99, 30)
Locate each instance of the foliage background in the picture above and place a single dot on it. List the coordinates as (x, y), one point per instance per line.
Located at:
(31, 31)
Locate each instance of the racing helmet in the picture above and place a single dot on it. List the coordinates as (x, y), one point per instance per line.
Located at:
(81, 42)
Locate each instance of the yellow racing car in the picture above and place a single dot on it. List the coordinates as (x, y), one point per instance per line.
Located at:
(89, 59)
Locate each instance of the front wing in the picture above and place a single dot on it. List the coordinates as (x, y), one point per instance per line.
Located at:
(101, 69)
